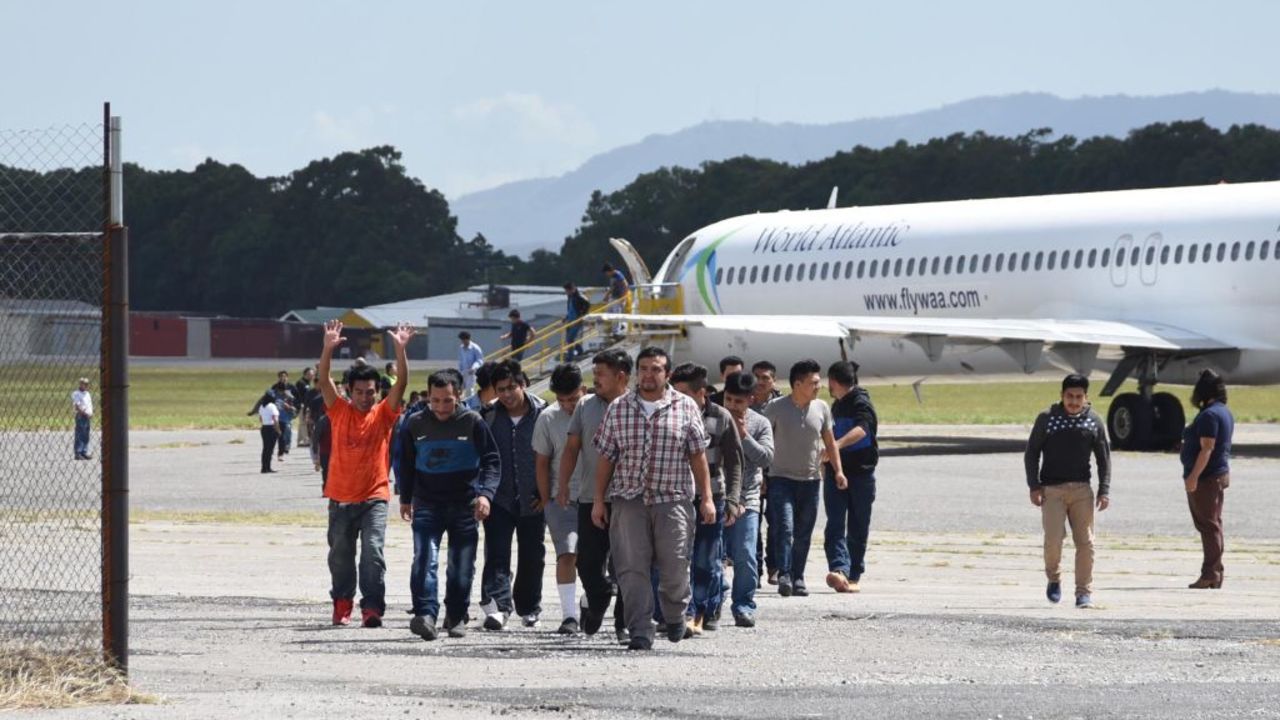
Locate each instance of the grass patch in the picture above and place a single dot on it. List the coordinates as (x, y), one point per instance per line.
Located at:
(168, 397)
(31, 679)
(230, 517)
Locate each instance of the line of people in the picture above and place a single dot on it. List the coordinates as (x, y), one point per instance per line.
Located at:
(651, 485)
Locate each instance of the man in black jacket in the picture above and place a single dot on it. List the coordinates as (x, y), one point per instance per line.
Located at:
(849, 508)
(448, 469)
(1064, 436)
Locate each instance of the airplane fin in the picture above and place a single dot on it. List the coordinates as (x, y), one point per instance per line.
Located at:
(831, 202)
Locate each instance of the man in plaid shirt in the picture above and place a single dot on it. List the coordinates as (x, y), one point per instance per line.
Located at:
(652, 451)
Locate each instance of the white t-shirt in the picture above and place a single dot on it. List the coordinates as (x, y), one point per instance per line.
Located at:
(269, 414)
(649, 407)
(81, 400)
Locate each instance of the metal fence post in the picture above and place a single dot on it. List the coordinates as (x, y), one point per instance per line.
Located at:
(115, 426)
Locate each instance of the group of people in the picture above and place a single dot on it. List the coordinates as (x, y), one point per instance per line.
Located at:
(654, 483)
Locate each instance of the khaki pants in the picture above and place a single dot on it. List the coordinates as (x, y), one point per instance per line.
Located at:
(1069, 503)
(641, 538)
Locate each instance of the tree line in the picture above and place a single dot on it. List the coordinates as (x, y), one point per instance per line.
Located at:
(357, 230)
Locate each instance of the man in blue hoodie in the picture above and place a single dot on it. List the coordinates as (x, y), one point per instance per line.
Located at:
(849, 508)
(517, 506)
(448, 468)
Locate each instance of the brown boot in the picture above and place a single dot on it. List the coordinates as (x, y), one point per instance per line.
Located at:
(1205, 583)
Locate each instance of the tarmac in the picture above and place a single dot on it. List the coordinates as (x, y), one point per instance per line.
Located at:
(230, 614)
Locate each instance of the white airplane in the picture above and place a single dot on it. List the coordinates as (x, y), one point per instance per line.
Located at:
(1152, 284)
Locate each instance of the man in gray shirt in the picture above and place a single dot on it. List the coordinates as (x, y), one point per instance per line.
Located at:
(550, 436)
(802, 430)
(756, 436)
(612, 370)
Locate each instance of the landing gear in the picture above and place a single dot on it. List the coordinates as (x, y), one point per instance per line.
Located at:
(1144, 420)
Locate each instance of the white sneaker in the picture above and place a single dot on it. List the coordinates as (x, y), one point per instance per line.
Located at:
(530, 620)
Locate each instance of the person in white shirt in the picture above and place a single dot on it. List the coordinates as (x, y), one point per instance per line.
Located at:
(470, 358)
(82, 402)
(269, 418)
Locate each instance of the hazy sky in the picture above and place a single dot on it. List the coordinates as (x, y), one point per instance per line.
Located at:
(479, 93)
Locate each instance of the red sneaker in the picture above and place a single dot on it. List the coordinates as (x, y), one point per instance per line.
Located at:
(370, 618)
(342, 611)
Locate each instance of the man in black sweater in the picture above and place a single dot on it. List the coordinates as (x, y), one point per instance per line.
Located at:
(1065, 436)
(449, 469)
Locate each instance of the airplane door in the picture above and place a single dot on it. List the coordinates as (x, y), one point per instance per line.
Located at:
(1120, 260)
(1149, 262)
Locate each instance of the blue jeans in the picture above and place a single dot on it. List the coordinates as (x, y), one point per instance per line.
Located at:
(495, 582)
(82, 435)
(705, 567)
(848, 523)
(793, 510)
(366, 522)
(286, 432)
(430, 522)
(572, 349)
(741, 540)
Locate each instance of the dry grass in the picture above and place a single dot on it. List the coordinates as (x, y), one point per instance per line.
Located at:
(31, 679)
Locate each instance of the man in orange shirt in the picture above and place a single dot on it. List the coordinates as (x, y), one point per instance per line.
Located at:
(360, 435)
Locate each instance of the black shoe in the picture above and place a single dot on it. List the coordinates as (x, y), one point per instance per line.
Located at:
(711, 623)
(784, 586)
(495, 623)
(799, 590)
(264, 472)
(424, 626)
(87, 456)
(591, 620)
(568, 627)
(639, 643)
(1054, 592)
(623, 635)
(456, 627)
(744, 620)
(675, 631)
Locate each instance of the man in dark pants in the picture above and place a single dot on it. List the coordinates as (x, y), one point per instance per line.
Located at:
(269, 420)
(612, 374)
(1065, 435)
(802, 430)
(516, 507)
(449, 469)
(849, 509)
(764, 393)
(521, 334)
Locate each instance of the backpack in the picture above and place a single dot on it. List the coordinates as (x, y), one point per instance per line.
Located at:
(581, 305)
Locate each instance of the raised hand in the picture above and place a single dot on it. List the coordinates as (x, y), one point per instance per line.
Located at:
(333, 334)
(402, 334)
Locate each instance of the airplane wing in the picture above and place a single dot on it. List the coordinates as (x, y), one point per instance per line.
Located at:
(1023, 338)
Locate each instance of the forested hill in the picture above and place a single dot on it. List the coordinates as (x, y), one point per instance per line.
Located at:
(355, 230)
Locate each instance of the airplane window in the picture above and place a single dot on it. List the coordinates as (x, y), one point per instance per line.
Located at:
(973, 264)
(924, 265)
(752, 277)
(742, 275)
(933, 268)
(719, 275)
(813, 271)
(1053, 256)
(1164, 255)
(1026, 261)
(1133, 256)
(946, 267)
(824, 270)
(1262, 251)
(848, 270)
(862, 268)
(1039, 259)
(787, 273)
(873, 267)
(1248, 251)
(1222, 252)
(1208, 252)
(960, 265)
(1013, 261)
(999, 262)
(1235, 251)
(1120, 258)
(1079, 259)
(897, 267)
(986, 263)
(1093, 256)
(911, 266)
(1106, 257)
(1177, 255)
(1151, 254)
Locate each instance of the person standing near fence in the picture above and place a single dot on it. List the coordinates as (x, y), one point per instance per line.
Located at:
(576, 307)
(521, 334)
(357, 485)
(82, 404)
(269, 428)
(1206, 471)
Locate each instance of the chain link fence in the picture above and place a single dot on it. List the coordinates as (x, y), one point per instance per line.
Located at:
(53, 212)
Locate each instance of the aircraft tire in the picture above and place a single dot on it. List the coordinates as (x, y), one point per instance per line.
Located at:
(1169, 419)
(1130, 422)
